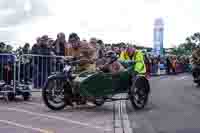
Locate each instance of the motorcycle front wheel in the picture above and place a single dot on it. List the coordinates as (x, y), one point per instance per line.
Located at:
(53, 94)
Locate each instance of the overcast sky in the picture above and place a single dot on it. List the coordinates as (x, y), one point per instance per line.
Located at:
(110, 20)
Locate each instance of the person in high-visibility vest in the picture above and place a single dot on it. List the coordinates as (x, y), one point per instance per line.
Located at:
(132, 54)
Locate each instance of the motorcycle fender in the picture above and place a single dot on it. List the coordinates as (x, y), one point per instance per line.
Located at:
(148, 86)
(62, 76)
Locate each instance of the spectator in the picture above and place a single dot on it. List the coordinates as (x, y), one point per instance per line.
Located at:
(36, 46)
(155, 65)
(168, 65)
(25, 64)
(93, 42)
(51, 46)
(100, 50)
(60, 44)
(26, 48)
(42, 62)
(174, 61)
(158, 62)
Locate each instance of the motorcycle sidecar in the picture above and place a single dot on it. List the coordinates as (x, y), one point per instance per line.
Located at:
(97, 87)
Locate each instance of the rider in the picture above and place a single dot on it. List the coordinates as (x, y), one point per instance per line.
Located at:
(83, 50)
(85, 53)
(72, 48)
(136, 56)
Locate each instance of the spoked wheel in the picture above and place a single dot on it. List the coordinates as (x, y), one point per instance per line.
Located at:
(53, 94)
(139, 93)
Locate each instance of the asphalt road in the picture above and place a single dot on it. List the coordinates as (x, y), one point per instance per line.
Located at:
(34, 117)
(173, 107)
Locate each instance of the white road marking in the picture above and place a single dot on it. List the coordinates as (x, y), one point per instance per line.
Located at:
(56, 118)
(126, 120)
(181, 78)
(170, 78)
(122, 117)
(127, 124)
(117, 122)
(35, 104)
(24, 126)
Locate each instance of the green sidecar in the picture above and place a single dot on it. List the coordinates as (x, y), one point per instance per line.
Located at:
(98, 87)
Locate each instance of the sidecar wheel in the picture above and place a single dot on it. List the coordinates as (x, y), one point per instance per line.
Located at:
(139, 93)
(50, 100)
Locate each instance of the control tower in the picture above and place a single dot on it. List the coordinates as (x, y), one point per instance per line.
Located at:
(158, 37)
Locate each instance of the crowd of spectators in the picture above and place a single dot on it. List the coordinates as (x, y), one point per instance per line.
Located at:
(171, 64)
(47, 46)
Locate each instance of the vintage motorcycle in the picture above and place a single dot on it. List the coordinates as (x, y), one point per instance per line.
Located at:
(67, 87)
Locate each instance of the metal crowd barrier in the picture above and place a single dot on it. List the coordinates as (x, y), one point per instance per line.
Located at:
(35, 69)
(19, 72)
(7, 73)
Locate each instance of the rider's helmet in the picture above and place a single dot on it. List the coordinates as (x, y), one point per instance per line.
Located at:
(111, 55)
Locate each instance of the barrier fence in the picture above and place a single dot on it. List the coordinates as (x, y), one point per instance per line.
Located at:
(30, 70)
(7, 73)
(33, 70)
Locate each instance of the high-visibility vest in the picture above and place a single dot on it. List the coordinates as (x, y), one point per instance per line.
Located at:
(138, 58)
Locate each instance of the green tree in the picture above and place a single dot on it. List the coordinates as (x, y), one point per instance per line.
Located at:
(9, 48)
(187, 47)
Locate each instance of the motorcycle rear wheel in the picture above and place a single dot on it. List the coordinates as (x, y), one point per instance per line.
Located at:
(139, 93)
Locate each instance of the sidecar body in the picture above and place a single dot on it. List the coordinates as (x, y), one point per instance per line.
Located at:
(103, 84)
